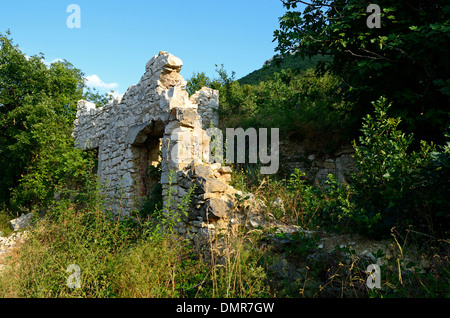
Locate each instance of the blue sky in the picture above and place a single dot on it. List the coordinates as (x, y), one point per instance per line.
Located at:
(117, 38)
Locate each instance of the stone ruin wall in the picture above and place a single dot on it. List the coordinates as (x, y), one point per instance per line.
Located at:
(151, 124)
(340, 164)
(128, 132)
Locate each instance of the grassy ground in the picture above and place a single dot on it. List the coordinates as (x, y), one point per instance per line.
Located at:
(136, 259)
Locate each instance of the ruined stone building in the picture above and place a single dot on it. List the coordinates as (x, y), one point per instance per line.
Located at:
(141, 129)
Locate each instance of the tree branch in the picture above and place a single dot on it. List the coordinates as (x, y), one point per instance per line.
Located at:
(316, 6)
(376, 57)
(308, 4)
(380, 57)
(363, 56)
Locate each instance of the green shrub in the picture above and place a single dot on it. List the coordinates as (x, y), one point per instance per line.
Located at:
(397, 186)
(393, 185)
(153, 202)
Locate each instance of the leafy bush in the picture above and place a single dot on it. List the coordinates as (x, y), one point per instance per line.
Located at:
(329, 206)
(153, 202)
(398, 186)
(200, 80)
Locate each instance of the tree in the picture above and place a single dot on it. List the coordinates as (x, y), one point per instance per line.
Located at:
(197, 81)
(200, 80)
(405, 60)
(37, 109)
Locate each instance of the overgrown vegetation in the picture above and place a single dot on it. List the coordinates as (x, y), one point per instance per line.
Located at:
(304, 106)
(278, 63)
(124, 258)
(393, 187)
(369, 90)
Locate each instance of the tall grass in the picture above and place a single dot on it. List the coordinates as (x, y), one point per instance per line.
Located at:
(123, 258)
(146, 258)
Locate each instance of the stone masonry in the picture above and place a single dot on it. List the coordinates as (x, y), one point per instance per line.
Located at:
(144, 128)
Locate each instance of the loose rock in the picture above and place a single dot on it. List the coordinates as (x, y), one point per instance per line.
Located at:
(21, 222)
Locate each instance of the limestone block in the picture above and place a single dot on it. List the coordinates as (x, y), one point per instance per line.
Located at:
(174, 62)
(206, 185)
(165, 178)
(226, 178)
(127, 180)
(137, 134)
(181, 192)
(216, 166)
(225, 169)
(200, 171)
(187, 117)
(171, 126)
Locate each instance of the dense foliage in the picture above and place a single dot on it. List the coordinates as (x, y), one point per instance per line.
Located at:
(278, 63)
(37, 109)
(405, 60)
(302, 105)
(395, 186)
(200, 80)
